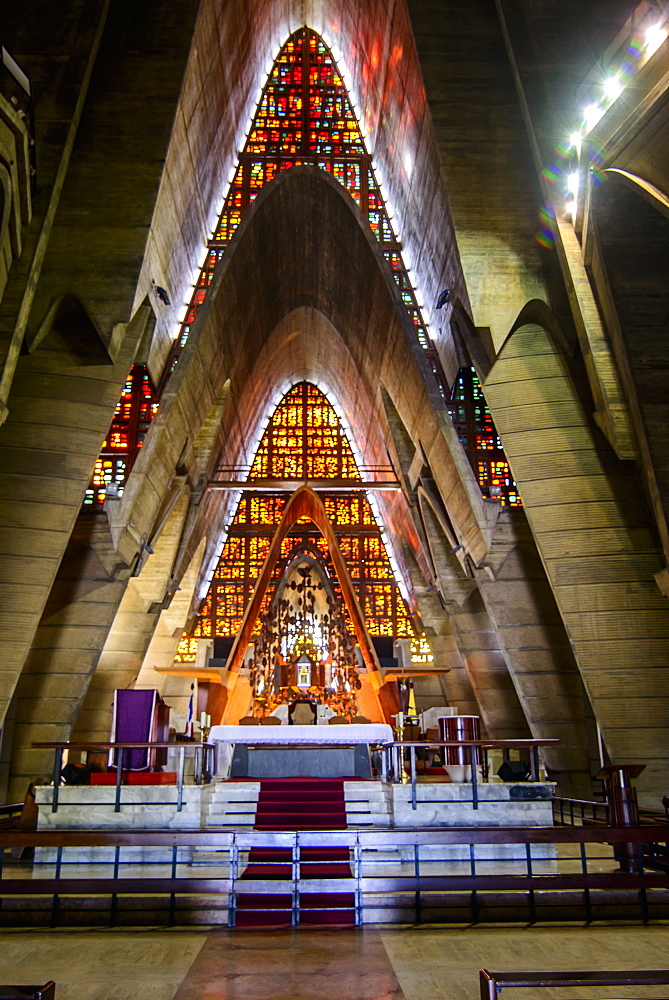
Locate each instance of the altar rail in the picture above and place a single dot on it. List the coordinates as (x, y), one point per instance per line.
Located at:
(203, 766)
(392, 759)
(476, 750)
(520, 874)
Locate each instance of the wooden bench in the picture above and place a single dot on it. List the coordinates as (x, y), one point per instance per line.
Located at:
(492, 983)
(21, 817)
(46, 992)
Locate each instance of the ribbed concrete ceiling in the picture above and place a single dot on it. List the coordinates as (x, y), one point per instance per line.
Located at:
(303, 292)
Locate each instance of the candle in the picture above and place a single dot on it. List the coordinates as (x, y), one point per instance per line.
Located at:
(203, 719)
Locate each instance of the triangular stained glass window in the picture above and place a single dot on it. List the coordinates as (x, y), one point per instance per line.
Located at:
(304, 117)
(303, 440)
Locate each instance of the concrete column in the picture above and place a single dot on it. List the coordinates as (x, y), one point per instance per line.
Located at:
(536, 648)
(591, 528)
(65, 649)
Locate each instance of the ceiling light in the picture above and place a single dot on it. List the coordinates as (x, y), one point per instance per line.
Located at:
(572, 183)
(591, 115)
(575, 141)
(654, 38)
(612, 88)
(570, 209)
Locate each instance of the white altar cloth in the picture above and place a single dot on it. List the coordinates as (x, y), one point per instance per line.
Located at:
(227, 736)
(373, 732)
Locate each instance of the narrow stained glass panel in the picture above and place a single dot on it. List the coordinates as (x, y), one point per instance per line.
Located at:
(480, 440)
(134, 412)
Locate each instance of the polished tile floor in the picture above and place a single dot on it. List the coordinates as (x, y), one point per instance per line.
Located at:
(367, 964)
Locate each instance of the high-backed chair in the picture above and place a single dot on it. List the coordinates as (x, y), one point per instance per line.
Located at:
(361, 720)
(302, 715)
(270, 720)
(249, 720)
(338, 720)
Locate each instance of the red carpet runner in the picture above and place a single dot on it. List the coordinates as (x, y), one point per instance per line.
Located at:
(298, 804)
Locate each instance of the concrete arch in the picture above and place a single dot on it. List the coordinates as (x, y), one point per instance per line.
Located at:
(135, 621)
(156, 667)
(244, 330)
(591, 530)
(474, 630)
(631, 223)
(655, 197)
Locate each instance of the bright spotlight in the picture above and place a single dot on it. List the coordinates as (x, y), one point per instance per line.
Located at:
(570, 209)
(572, 183)
(654, 38)
(591, 115)
(612, 88)
(575, 141)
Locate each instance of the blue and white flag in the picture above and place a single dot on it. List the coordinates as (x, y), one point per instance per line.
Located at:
(189, 720)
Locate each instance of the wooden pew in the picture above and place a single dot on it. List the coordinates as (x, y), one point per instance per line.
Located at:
(22, 817)
(492, 983)
(46, 992)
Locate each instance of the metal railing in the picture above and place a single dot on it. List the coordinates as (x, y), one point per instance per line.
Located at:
(203, 767)
(391, 758)
(570, 812)
(476, 753)
(498, 873)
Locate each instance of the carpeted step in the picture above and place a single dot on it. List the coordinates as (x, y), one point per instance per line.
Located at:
(274, 805)
(298, 804)
(327, 908)
(257, 909)
(306, 795)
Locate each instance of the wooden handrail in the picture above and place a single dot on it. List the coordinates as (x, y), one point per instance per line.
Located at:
(492, 983)
(46, 992)
(314, 838)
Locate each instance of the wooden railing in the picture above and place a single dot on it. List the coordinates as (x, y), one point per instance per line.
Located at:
(492, 983)
(46, 992)
(529, 886)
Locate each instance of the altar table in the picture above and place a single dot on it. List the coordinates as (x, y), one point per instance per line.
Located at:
(291, 760)
(372, 732)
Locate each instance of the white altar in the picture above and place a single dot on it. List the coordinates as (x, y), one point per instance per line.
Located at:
(368, 732)
(227, 737)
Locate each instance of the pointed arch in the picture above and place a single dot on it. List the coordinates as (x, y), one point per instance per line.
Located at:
(304, 118)
(304, 503)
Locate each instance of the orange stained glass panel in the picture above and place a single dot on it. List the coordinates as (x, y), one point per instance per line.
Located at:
(303, 435)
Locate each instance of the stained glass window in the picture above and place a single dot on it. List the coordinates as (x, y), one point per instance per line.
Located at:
(421, 651)
(304, 118)
(480, 440)
(134, 412)
(303, 440)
